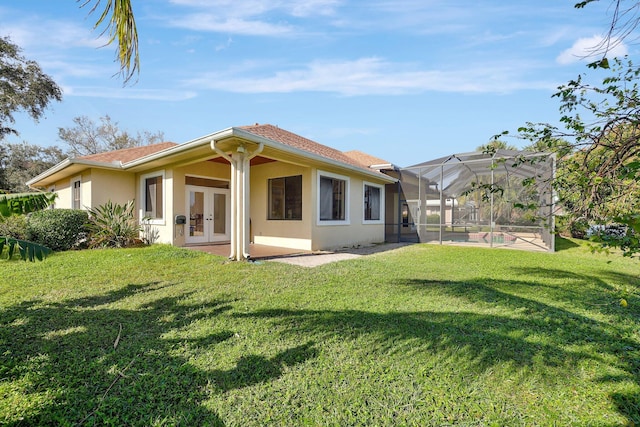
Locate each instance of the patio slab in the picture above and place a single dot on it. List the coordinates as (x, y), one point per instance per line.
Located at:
(300, 257)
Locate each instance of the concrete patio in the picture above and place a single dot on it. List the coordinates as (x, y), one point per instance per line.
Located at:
(297, 256)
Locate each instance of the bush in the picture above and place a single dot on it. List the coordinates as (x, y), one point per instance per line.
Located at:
(58, 229)
(14, 226)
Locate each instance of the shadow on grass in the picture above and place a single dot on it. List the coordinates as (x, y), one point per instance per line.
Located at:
(563, 244)
(75, 366)
(529, 334)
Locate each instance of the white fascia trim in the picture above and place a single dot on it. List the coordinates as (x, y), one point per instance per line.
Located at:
(205, 140)
(291, 150)
(69, 162)
(241, 133)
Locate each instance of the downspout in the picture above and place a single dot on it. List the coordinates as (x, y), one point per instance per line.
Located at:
(232, 162)
(246, 197)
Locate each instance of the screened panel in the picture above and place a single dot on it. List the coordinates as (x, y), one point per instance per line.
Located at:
(500, 200)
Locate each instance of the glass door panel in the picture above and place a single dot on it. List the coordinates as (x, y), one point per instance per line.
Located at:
(196, 213)
(219, 213)
(208, 214)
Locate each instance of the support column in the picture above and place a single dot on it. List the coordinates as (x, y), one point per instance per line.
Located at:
(240, 198)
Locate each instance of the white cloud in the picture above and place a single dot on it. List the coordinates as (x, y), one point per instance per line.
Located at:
(590, 47)
(129, 93)
(33, 32)
(373, 76)
(301, 8)
(250, 17)
(232, 25)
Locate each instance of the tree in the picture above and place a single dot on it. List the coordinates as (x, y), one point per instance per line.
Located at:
(23, 87)
(87, 137)
(121, 27)
(625, 19)
(494, 145)
(20, 162)
(599, 169)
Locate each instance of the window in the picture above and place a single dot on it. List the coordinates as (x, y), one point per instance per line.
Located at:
(75, 193)
(153, 196)
(372, 196)
(333, 198)
(285, 198)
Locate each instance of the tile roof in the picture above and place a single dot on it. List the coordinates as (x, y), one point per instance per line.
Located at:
(128, 154)
(291, 139)
(366, 159)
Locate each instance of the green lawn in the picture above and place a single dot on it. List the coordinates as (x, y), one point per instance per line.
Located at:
(424, 335)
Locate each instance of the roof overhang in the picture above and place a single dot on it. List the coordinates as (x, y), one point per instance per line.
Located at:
(200, 149)
(229, 139)
(279, 150)
(68, 167)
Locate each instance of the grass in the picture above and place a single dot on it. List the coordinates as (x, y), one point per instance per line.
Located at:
(424, 335)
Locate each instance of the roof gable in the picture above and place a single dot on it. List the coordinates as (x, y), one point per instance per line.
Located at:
(366, 159)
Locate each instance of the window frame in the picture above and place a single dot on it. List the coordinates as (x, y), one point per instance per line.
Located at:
(347, 191)
(284, 198)
(143, 197)
(381, 204)
(72, 185)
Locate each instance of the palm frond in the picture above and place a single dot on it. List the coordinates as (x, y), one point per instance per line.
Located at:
(28, 251)
(24, 203)
(121, 28)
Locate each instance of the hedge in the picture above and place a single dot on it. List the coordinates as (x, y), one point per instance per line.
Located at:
(58, 229)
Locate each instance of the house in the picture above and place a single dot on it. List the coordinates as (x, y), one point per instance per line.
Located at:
(245, 184)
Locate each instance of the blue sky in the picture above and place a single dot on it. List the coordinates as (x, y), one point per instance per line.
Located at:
(405, 80)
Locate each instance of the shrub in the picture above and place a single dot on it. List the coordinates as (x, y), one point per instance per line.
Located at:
(14, 226)
(58, 229)
(114, 225)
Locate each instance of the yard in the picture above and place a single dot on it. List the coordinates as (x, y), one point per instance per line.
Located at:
(423, 335)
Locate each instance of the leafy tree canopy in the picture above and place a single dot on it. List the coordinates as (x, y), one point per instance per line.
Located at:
(598, 146)
(24, 87)
(21, 162)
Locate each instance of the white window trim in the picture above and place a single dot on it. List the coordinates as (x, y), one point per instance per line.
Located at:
(347, 201)
(382, 204)
(73, 181)
(213, 178)
(143, 196)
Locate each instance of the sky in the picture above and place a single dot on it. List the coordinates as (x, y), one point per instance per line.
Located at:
(404, 80)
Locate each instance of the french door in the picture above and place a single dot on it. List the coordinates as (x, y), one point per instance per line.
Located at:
(207, 214)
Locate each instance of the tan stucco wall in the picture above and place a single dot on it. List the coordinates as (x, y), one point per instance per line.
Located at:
(97, 186)
(307, 234)
(63, 190)
(353, 232)
(117, 186)
(294, 234)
